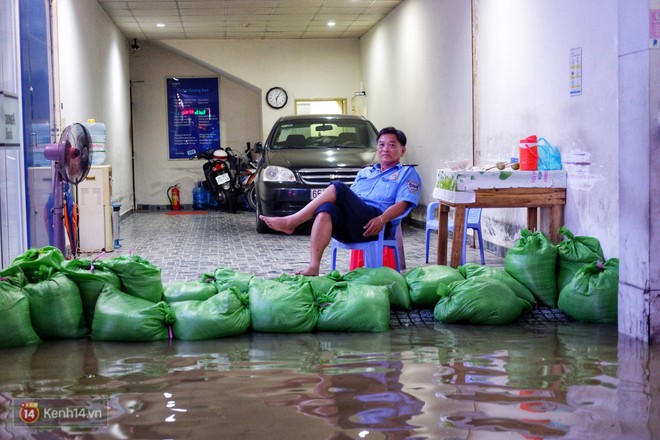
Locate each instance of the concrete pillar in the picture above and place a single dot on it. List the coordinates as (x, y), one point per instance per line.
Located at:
(639, 173)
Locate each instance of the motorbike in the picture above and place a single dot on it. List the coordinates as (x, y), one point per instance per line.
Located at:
(220, 178)
(247, 168)
(230, 177)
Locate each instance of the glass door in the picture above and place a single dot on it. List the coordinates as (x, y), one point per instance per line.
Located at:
(39, 129)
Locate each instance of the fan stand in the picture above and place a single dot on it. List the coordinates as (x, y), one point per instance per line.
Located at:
(71, 158)
(58, 209)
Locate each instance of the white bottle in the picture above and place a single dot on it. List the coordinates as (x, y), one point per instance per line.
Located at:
(514, 158)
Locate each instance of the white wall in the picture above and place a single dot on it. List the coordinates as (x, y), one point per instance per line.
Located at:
(417, 72)
(304, 68)
(523, 88)
(94, 83)
(247, 69)
(240, 122)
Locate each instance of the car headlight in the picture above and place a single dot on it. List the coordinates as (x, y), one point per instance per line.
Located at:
(278, 174)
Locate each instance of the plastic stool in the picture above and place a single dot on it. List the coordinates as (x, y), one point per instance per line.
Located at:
(472, 221)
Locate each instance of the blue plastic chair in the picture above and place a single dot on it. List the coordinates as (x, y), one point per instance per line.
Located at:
(472, 221)
(373, 250)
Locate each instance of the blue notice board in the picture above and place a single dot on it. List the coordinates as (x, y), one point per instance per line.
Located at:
(193, 116)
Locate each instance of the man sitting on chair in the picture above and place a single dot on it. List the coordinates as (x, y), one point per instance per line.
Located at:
(358, 213)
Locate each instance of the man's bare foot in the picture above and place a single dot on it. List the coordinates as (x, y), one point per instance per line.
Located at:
(309, 271)
(282, 224)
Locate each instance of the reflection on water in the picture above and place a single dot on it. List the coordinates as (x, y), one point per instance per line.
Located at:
(566, 381)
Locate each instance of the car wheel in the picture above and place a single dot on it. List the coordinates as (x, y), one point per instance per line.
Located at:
(252, 196)
(262, 227)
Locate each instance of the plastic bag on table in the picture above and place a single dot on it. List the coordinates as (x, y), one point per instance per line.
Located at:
(549, 156)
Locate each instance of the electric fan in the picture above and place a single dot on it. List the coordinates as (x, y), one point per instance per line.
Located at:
(72, 158)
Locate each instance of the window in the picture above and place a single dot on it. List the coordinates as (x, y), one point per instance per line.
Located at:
(320, 106)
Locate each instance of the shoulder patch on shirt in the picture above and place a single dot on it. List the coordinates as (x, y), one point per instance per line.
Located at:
(413, 186)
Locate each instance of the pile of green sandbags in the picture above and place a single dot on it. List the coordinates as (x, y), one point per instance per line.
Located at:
(570, 276)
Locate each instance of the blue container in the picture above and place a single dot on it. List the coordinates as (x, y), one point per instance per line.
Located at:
(200, 197)
(213, 203)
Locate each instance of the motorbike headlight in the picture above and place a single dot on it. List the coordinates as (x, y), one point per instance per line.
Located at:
(278, 174)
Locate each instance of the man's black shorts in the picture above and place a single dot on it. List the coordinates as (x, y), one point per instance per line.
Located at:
(349, 215)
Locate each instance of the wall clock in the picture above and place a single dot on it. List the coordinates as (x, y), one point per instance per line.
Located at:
(276, 97)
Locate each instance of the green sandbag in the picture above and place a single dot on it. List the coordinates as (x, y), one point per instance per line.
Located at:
(423, 283)
(478, 300)
(13, 275)
(573, 253)
(470, 270)
(32, 259)
(224, 314)
(320, 285)
(176, 291)
(138, 276)
(591, 296)
(55, 306)
(226, 278)
(383, 276)
(15, 326)
(122, 317)
(90, 277)
(532, 261)
(282, 308)
(350, 307)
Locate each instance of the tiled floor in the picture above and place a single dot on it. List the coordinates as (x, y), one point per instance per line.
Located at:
(186, 246)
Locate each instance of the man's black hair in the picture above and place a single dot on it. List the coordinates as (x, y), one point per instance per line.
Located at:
(400, 136)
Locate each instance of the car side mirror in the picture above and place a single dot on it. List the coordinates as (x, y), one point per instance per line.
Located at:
(258, 148)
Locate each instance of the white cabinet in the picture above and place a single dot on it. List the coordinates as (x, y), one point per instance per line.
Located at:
(95, 210)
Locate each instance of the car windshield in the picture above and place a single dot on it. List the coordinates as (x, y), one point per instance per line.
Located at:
(324, 134)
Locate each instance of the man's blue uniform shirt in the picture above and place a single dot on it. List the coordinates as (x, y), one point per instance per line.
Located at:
(384, 189)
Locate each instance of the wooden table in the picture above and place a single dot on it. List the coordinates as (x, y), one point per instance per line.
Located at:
(530, 198)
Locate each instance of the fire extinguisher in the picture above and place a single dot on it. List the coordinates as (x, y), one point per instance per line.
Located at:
(173, 193)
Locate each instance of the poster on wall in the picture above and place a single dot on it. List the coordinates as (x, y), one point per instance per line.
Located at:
(193, 116)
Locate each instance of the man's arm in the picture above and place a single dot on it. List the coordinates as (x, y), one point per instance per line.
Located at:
(376, 224)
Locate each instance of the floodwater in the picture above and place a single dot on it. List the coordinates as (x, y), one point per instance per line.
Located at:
(555, 380)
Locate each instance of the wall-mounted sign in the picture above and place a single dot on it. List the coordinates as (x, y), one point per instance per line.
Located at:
(576, 71)
(654, 28)
(193, 116)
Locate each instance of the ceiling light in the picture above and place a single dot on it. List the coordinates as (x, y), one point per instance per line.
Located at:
(160, 24)
(331, 23)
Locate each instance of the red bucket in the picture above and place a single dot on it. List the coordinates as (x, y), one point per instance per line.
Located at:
(529, 153)
(357, 258)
